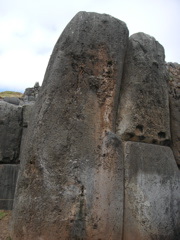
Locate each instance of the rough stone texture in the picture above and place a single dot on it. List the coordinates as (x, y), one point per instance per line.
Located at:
(152, 193)
(10, 132)
(8, 177)
(174, 94)
(144, 105)
(70, 184)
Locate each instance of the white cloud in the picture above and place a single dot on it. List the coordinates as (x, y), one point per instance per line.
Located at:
(29, 30)
(22, 69)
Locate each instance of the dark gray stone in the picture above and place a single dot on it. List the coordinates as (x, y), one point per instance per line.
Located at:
(71, 179)
(152, 193)
(11, 130)
(8, 177)
(144, 100)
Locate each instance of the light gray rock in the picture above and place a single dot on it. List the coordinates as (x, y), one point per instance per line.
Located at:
(71, 179)
(11, 130)
(8, 177)
(12, 100)
(144, 105)
(152, 193)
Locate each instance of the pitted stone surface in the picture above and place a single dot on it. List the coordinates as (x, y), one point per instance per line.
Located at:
(71, 181)
(152, 193)
(144, 104)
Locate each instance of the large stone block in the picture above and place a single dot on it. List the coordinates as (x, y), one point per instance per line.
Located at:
(144, 100)
(152, 193)
(8, 177)
(10, 132)
(71, 180)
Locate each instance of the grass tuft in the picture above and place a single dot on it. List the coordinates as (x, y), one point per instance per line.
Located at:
(8, 238)
(2, 214)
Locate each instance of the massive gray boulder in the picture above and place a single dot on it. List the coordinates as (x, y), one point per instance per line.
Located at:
(144, 100)
(10, 132)
(152, 193)
(71, 182)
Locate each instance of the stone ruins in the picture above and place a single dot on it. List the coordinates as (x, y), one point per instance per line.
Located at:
(99, 150)
(14, 119)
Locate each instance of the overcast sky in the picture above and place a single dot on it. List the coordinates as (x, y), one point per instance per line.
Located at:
(30, 28)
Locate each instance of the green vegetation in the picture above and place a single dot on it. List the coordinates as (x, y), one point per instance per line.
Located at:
(11, 94)
(8, 238)
(2, 214)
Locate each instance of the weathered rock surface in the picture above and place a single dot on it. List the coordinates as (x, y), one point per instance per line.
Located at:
(8, 177)
(174, 94)
(152, 193)
(71, 180)
(10, 132)
(144, 105)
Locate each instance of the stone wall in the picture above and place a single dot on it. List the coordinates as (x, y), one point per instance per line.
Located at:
(14, 119)
(96, 158)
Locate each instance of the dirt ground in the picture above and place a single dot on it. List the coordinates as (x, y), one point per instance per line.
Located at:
(4, 225)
